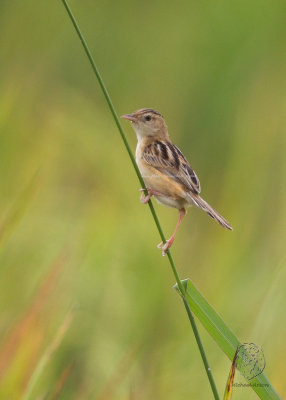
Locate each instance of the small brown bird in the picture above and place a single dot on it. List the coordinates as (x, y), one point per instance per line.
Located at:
(166, 172)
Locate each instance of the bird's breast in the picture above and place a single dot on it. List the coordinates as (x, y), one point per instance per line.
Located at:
(172, 192)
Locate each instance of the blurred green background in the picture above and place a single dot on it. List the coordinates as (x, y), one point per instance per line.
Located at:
(87, 305)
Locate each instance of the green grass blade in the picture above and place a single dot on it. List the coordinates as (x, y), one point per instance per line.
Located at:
(151, 207)
(223, 336)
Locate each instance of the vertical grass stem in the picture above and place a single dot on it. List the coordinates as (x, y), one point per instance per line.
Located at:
(116, 119)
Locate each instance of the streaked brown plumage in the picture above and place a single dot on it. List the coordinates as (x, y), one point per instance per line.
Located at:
(166, 172)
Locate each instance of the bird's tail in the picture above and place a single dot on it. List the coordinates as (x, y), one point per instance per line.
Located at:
(201, 203)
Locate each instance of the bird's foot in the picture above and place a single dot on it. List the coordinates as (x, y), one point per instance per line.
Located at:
(144, 199)
(166, 246)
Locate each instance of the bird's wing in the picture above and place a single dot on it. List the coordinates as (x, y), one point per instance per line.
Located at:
(168, 159)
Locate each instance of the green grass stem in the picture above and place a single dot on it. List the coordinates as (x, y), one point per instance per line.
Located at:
(173, 266)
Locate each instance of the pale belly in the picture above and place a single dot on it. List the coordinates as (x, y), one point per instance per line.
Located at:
(170, 202)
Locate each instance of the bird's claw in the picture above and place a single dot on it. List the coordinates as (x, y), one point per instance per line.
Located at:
(165, 247)
(145, 198)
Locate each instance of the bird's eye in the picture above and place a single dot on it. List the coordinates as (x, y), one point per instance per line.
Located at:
(148, 118)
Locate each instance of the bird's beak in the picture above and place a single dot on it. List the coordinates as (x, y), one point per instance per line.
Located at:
(130, 117)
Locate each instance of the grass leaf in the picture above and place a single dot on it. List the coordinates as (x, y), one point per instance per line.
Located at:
(224, 337)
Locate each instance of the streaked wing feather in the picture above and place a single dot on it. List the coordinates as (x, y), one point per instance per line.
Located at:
(168, 159)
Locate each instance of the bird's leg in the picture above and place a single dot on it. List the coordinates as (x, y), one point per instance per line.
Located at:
(169, 242)
(144, 199)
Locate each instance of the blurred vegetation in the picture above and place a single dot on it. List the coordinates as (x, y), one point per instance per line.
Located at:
(73, 234)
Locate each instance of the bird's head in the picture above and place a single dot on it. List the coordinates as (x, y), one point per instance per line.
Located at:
(147, 122)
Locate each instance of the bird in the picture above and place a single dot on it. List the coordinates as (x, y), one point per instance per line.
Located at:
(166, 172)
